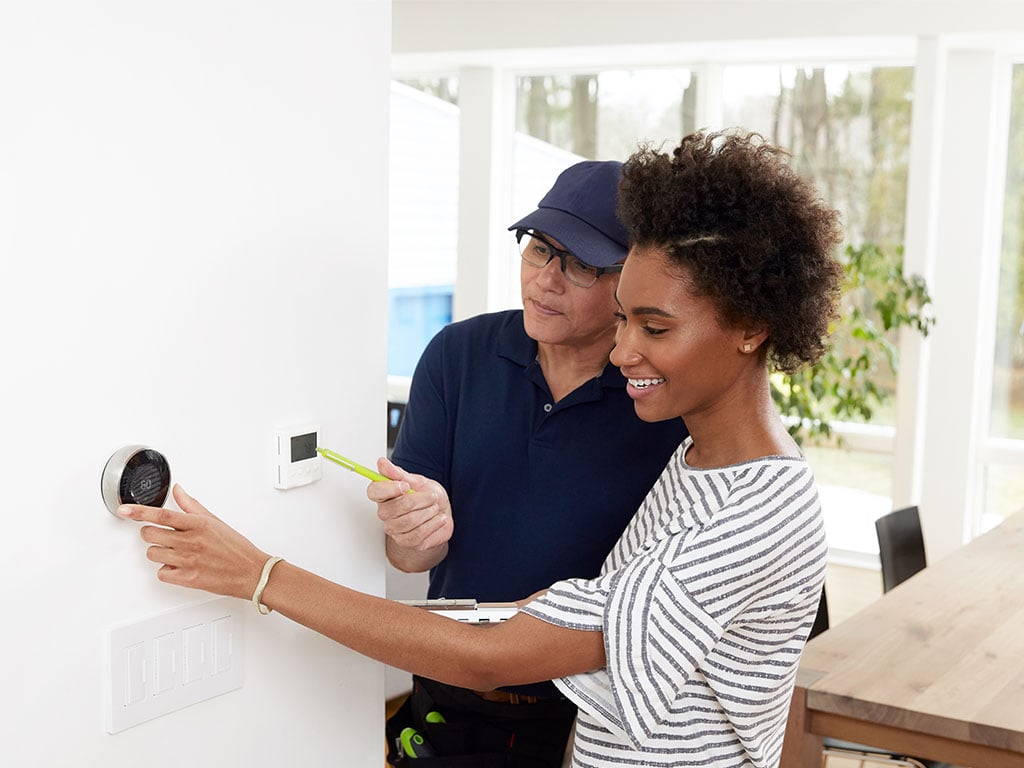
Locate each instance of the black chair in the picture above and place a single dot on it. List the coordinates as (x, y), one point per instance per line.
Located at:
(821, 617)
(847, 750)
(900, 546)
(901, 552)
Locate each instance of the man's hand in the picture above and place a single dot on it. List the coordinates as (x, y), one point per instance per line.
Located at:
(419, 524)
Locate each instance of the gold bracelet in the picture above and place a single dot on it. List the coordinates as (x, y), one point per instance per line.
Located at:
(257, 596)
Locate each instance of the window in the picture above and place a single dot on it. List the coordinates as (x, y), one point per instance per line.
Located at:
(423, 217)
(605, 115)
(415, 314)
(1004, 464)
(1008, 385)
(848, 127)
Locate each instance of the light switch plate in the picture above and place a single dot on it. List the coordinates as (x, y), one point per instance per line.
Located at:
(172, 660)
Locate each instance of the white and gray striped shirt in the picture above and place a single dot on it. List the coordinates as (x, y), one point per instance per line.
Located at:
(705, 603)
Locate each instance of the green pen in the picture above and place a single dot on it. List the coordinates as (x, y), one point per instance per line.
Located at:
(359, 469)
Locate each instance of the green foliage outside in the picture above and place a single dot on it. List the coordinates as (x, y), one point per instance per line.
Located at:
(1011, 283)
(853, 138)
(845, 384)
(1008, 375)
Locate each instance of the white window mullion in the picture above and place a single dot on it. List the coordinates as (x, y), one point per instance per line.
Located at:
(486, 132)
(971, 167)
(920, 244)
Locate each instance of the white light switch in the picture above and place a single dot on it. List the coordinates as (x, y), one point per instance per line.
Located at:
(134, 673)
(194, 649)
(172, 660)
(165, 653)
(222, 633)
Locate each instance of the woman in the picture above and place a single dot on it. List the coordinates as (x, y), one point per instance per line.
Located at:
(684, 650)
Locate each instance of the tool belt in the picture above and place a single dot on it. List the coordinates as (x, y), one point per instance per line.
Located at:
(442, 725)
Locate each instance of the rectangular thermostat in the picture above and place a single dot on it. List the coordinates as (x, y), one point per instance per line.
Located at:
(296, 461)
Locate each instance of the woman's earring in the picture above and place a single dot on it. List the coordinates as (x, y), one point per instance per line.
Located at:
(748, 347)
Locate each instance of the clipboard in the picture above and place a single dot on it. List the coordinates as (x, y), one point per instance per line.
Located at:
(467, 610)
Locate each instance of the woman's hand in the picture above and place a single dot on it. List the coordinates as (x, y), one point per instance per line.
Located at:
(197, 549)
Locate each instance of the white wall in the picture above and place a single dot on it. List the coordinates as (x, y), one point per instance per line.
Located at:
(193, 238)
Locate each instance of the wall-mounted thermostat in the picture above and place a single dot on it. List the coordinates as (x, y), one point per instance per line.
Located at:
(135, 474)
(296, 461)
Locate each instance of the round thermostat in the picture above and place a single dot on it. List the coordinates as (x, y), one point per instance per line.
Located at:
(135, 474)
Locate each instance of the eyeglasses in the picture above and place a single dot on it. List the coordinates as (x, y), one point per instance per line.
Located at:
(538, 252)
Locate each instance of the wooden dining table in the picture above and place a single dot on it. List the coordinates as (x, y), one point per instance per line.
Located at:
(933, 669)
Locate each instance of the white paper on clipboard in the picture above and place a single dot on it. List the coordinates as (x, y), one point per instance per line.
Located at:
(467, 610)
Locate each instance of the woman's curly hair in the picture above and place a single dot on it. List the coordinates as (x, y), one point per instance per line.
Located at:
(752, 234)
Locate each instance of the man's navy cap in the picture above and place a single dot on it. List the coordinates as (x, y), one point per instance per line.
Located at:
(579, 212)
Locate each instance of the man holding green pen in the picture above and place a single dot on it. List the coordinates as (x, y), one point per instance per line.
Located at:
(353, 466)
(525, 453)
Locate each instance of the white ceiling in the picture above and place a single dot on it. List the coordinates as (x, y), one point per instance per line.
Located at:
(545, 35)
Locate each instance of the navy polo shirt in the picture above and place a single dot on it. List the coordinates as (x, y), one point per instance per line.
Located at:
(540, 491)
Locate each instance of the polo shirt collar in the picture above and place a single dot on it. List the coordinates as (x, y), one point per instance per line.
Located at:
(514, 345)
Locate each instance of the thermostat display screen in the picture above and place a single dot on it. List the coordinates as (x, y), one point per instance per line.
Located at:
(142, 486)
(145, 478)
(296, 461)
(303, 447)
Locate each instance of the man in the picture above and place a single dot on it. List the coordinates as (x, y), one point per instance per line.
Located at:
(537, 458)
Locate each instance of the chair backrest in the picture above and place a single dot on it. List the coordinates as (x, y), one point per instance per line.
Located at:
(900, 546)
(821, 618)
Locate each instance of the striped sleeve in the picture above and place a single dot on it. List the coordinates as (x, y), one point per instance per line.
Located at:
(580, 604)
(655, 637)
(575, 603)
